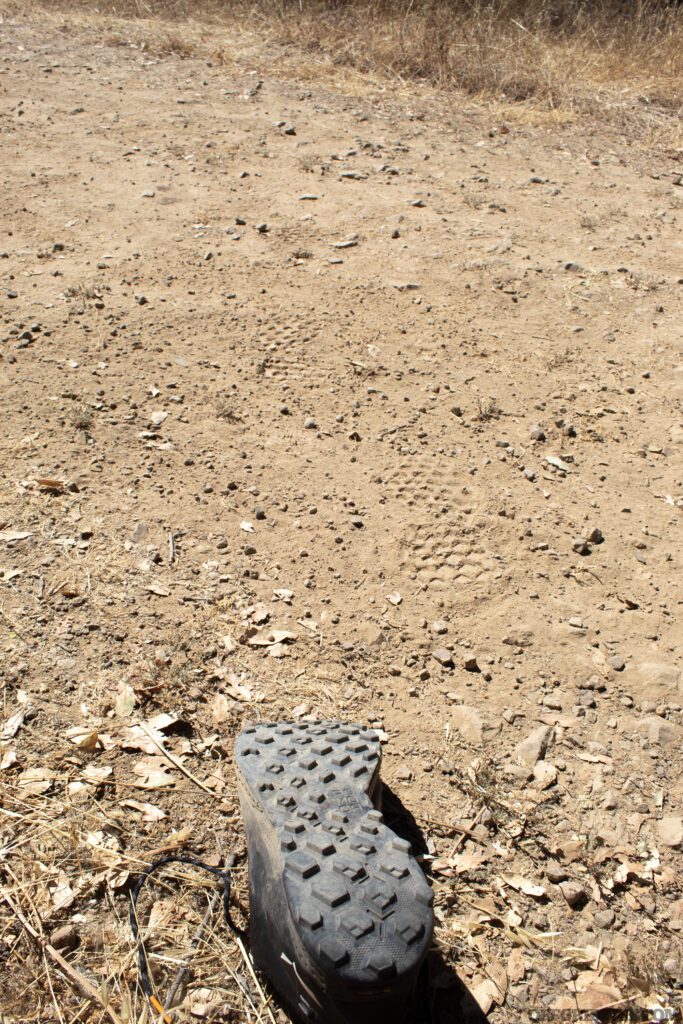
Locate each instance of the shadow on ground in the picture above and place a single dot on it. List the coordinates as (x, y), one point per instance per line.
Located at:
(440, 997)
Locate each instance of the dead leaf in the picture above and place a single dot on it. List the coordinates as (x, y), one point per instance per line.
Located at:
(96, 775)
(55, 486)
(148, 811)
(126, 700)
(161, 721)
(221, 708)
(485, 992)
(274, 636)
(498, 976)
(154, 774)
(8, 759)
(520, 884)
(629, 871)
(470, 860)
(36, 780)
(134, 737)
(594, 992)
(13, 724)
(159, 589)
(62, 894)
(260, 614)
(84, 738)
(516, 968)
(593, 758)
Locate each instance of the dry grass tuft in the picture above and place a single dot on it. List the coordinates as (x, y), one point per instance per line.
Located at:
(600, 58)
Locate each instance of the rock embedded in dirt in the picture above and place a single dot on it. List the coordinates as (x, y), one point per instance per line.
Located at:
(617, 662)
(545, 774)
(65, 937)
(581, 546)
(604, 918)
(473, 725)
(471, 664)
(573, 892)
(661, 732)
(439, 627)
(552, 701)
(139, 533)
(670, 831)
(596, 536)
(443, 656)
(532, 749)
(555, 873)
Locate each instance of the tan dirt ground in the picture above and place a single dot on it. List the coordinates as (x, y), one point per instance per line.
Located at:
(383, 352)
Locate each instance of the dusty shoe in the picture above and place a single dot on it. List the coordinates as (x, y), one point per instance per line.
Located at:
(340, 912)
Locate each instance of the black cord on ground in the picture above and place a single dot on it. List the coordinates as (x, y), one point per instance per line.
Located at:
(142, 955)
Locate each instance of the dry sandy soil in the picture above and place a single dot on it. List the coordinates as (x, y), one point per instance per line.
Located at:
(356, 404)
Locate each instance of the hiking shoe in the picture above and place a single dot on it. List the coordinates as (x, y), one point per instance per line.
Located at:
(340, 912)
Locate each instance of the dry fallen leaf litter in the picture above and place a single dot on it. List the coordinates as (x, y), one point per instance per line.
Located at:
(429, 482)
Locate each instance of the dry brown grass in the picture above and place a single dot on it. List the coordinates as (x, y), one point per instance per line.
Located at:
(559, 55)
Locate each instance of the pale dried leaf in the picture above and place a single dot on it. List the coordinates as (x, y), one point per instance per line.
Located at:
(95, 774)
(13, 724)
(525, 885)
(9, 758)
(516, 967)
(485, 993)
(36, 780)
(83, 737)
(273, 636)
(221, 708)
(154, 774)
(126, 700)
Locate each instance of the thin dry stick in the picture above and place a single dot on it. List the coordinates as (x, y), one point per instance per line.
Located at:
(52, 991)
(247, 961)
(75, 977)
(174, 761)
(461, 838)
(196, 939)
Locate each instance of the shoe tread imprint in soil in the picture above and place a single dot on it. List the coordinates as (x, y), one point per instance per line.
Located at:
(340, 910)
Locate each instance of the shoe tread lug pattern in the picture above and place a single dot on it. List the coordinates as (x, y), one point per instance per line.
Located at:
(361, 903)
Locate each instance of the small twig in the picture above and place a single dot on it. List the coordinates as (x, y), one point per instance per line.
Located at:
(52, 991)
(77, 979)
(392, 430)
(196, 939)
(247, 961)
(171, 549)
(174, 761)
(463, 836)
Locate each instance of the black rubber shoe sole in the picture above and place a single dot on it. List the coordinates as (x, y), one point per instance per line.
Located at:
(340, 911)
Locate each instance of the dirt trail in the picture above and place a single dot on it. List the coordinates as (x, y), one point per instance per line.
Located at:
(420, 370)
